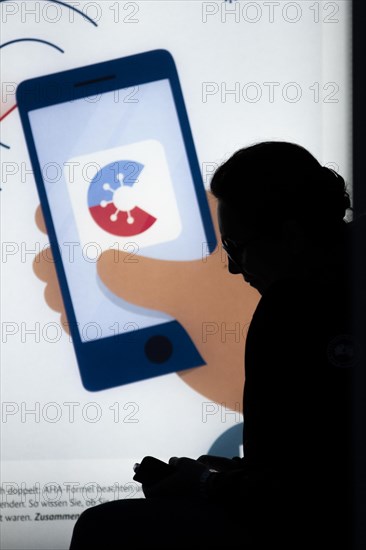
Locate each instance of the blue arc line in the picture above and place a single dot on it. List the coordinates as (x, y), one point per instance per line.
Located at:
(31, 40)
(3, 145)
(70, 7)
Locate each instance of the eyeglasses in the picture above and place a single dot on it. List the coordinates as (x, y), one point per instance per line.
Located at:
(234, 249)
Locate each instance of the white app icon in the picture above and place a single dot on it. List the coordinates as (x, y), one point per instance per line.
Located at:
(123, 195)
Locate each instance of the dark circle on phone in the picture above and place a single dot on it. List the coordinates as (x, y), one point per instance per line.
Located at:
(158, 349)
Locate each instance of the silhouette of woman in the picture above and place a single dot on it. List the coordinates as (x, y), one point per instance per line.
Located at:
(282, 218)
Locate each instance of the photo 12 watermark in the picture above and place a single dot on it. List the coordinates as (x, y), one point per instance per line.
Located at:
(30, 12)
(249, 13)
(71, 251)
(270, 92)
(37, 92)
(25, 332)
(70, 412)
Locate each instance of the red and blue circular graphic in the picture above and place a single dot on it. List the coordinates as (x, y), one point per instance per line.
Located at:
(111, 199)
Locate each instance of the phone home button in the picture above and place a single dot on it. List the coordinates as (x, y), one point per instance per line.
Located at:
(158, 349)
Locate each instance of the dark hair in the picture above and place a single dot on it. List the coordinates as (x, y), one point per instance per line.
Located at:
(283, 181)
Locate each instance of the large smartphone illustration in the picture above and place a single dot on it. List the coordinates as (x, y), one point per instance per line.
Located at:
(116, 168)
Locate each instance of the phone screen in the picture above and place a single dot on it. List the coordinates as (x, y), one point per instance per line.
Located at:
(116, 174)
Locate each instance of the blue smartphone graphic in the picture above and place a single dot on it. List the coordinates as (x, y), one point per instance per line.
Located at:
(116, 168)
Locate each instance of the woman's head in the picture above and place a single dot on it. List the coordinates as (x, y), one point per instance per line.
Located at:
(283, 181)
(272, 198)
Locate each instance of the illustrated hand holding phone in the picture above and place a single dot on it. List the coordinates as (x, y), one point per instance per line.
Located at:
(130, 171)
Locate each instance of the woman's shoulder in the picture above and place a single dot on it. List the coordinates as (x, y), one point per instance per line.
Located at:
(312, 302)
